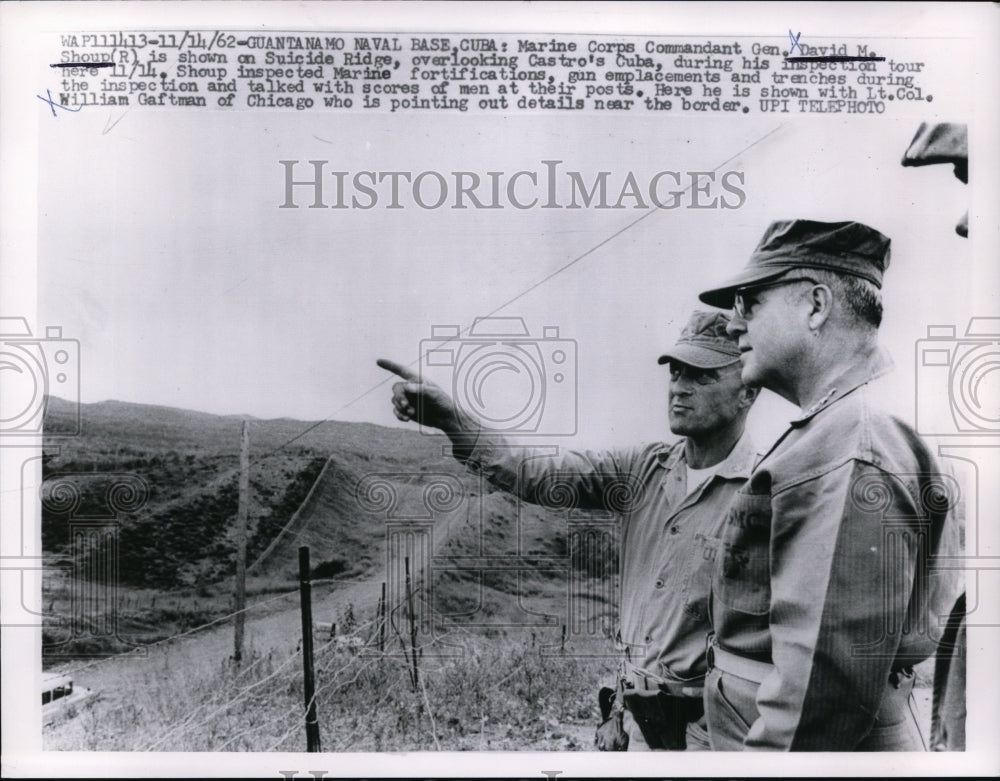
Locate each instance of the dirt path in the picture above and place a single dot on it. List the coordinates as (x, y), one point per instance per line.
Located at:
(273, 625)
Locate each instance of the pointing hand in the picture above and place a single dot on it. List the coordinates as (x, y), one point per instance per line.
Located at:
(423, 401)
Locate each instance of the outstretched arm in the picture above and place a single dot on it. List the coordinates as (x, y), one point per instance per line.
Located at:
(426, 403)
(572, 479)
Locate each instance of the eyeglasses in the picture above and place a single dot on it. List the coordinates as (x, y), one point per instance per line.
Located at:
(693, 373)
(744, 300)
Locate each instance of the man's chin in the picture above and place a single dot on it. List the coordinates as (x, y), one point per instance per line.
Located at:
(747, 373)
(680, 427)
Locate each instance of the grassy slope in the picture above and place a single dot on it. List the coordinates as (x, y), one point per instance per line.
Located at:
(176, 551)
(503, 692)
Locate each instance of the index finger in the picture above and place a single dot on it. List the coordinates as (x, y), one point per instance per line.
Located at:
(398, 369)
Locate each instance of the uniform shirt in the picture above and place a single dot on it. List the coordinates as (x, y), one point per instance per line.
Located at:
(669, 535)
(828, 569)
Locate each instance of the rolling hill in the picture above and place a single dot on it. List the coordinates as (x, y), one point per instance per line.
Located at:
(343, 489)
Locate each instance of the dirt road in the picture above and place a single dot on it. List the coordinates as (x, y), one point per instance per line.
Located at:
(273, 624)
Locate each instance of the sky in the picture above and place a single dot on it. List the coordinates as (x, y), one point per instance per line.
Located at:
(163, 250)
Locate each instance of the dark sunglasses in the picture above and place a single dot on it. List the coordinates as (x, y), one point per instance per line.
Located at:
(745, 298)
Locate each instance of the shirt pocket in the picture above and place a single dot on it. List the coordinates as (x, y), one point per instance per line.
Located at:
(698, 576)
(743, 573)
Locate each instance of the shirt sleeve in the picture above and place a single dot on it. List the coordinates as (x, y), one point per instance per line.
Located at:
(845, 547)
(602, 480)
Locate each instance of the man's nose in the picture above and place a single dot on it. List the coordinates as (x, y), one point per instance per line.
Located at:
(962, 228)
(736, 325)
(681, 386)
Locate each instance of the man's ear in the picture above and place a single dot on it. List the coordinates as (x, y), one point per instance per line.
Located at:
(821, 305)
(749, 396)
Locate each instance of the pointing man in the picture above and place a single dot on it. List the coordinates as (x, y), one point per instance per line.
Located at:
(825, 597)
(669, 534)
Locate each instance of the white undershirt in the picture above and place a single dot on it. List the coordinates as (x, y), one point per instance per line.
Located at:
(695, 477)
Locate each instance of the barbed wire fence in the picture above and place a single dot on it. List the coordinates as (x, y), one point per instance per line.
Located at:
(233, 709)
(365, 693)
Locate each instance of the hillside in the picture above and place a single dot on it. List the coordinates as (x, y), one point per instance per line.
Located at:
(187, 464)
(320, 489)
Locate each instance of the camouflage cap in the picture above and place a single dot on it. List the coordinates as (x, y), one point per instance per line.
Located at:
(843, 247)
(704, 342)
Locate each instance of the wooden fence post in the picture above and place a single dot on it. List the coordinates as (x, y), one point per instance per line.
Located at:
(305, 593)
(240, 586)
(382, 620)
(413, 625)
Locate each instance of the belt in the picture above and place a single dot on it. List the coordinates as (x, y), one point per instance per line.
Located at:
(756, 671)
(673, 689)
(741, 666)
(642, 680)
